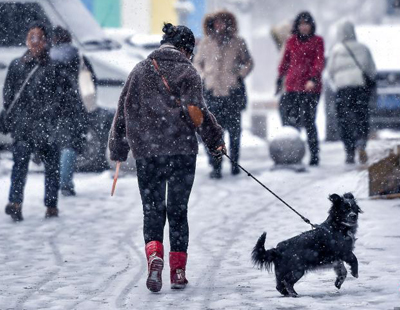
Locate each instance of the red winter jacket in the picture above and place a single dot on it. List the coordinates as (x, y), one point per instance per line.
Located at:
(302, 61)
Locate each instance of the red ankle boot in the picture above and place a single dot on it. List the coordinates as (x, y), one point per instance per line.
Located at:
(177, 262)
(155, 263)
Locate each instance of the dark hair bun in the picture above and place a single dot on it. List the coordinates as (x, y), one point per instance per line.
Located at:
(178, 36)
(169, 29)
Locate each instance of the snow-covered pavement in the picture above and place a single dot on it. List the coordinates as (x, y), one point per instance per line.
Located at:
(92, 257)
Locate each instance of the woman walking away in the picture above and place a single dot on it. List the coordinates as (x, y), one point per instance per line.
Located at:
(352, 71)
(160, 109)
(224, 62)
(72, 124)
(31, 103)
(302, 65)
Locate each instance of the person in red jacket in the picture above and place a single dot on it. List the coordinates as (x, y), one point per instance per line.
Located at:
(301, 66)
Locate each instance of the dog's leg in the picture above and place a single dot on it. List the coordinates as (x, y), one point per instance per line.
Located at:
(290, 280)
(281, 288)
(289, 288)
(341, 273)
(351, 259)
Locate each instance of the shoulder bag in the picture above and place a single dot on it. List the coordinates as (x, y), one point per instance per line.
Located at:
(370, 83)
(6, 115)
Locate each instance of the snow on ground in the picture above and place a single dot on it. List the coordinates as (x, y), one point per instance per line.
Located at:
(92, 257)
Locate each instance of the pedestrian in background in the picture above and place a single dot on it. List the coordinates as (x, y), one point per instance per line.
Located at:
(31, 101)
(301, 67)
(224, 61)
(160, 109)
(72, 122)
(352, 72)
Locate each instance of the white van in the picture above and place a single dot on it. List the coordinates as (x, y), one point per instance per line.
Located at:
(110, 63)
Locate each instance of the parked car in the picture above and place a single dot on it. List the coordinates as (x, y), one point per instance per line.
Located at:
(111, 64)
(385, 104)
(137, 44)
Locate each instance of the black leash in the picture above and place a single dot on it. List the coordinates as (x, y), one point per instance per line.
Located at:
(279, 198)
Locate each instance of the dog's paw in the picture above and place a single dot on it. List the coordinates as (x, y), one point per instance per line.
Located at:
(339, 281)
(293, 295)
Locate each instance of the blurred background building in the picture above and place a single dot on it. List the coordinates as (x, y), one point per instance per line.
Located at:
(147, 16)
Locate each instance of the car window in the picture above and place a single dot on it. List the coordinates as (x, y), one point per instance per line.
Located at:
(149, 42)
(82, 25)
(15, 19)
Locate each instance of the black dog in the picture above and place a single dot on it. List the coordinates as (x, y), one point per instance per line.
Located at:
(329, 245)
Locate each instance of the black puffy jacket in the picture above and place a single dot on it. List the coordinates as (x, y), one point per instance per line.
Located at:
(35, 114)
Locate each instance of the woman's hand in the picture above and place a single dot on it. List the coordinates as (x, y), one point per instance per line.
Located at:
(310, 85)
(219, 152)
(222, 149)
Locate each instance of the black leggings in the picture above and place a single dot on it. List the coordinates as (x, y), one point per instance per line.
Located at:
(352, 106)
(300, 110)
(227, 112)
(155, 175)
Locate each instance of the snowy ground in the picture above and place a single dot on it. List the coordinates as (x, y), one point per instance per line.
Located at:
(92, 257)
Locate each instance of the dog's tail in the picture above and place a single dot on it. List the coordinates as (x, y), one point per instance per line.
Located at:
(261, 257)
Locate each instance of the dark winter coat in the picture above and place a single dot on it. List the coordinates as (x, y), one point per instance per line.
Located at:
(35, 114)
(72, 123)
(303, 61)
(148, 117)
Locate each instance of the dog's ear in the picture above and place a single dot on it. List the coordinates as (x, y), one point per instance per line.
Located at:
(359, 209)
(335, 198)
(348, 196)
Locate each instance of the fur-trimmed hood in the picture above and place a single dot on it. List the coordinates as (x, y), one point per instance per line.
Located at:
(227, 17)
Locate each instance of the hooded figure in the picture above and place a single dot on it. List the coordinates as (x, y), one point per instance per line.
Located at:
(342, 69)
(349, 67)
(301, 67)
(224, 61)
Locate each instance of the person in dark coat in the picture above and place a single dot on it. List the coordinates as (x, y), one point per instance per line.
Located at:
(31, 96)
(72, 124)
(159, 112)
(301, 67)
(224, 61)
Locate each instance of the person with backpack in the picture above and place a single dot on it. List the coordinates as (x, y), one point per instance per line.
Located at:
(30, 114)
(351, 70)
(301, 67)
(159, 112)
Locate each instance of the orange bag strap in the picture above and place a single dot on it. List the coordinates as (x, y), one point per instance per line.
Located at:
(157, 67)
